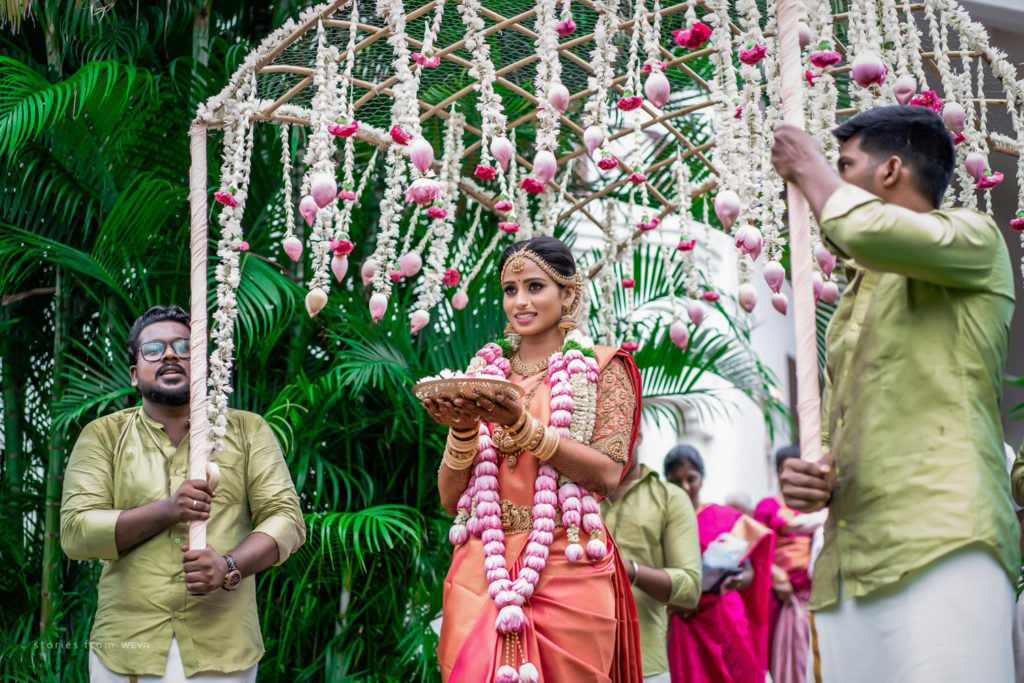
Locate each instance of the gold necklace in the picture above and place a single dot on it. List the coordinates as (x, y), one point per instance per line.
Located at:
(527, 369)
(504, 443)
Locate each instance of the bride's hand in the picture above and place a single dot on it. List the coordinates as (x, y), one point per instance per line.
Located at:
(460, 413)
(502, 410)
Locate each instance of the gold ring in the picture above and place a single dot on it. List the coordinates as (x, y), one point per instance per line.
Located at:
(194, 503)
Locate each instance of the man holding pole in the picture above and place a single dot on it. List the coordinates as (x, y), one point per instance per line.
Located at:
(164, 609)
(915, 581)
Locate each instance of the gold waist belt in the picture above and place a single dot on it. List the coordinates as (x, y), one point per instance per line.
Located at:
(518, 519)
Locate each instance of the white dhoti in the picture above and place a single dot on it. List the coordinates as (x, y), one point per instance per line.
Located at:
(950, 622)
(173, 673)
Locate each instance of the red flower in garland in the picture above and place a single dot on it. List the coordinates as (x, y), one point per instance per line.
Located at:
(607, 163)
(485, 172)
(646, 224)
(929, 99)
(225, 198)
(531, 185)
(693, 37)
(343, 128)
(503, 205)
(628, 282)
(957, 138)
(710, 296)
(242, 246)
(436, 212)
(342, 247)
(399, 135)
(637, 178)
(566, 27)
(629, 102)
(739, 113)
(425, 60)
(686, 245)
(1018, 222)
(395, 275)
(451, 277)
(825, 56)
(347, 194)
(989, 181)
(511, 227)
(646, 68)
(630, 346)
(810, 77)
(753, 54)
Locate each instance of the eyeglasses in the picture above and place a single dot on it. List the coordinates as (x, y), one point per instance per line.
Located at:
(153, 351)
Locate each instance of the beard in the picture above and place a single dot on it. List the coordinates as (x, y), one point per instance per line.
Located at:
(165, 397)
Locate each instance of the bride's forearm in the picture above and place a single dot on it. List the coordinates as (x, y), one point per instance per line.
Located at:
(450, 485)
(587, 467)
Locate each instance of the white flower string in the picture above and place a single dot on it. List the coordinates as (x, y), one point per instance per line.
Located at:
(493, 120)
(602, 58)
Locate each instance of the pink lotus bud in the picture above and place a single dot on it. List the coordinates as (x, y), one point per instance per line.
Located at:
(749, 241)
(727, 207)
(339, 266)
(458, 534)
(368, 270)
(774, 275)
(505, 673)
(511, 620)
(593, 137)
(558, 96)
(825, 258)
(316, 299)
(868, 69)
(531, 184)
(695, 311)
(308, 208)
(976, 164)
(566, 26)
(421, 154)
(747, 297)
(423, 191)
(410, 264)
(544, 166)
(780, 302)
(804, 31)
(817, 285)
(418, 320)
(574, 552)
(293, 247)
(503, 205)
(528, 672)
(502, 150)
(628, 282)
(596, 549)
(679, 333)
(484, 172)
(437, 212)
(830, 292)
(954, 116)
(904, 89)
(607, 163)
(378, 304)
(657, 89)
(399, 136)
(324, 189)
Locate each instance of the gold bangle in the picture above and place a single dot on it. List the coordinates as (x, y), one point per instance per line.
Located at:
(464, 434)
(462, 449)
(530, 435)
(548, 445)
(520, 421)
(456, 463)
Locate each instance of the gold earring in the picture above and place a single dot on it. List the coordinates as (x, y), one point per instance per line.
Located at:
(567, 323)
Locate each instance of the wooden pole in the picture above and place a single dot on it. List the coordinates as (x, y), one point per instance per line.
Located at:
(199, 424)
(808, 400)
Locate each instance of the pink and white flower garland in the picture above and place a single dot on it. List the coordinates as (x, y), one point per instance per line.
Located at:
(602, 58)
(573, 378)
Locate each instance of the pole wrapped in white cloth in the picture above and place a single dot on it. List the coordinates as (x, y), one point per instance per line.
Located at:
(199, 425)
(808, 400)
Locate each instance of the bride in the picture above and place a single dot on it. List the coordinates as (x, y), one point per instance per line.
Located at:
(536, 590)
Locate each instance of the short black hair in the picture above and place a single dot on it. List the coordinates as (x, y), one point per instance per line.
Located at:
(680, 454)
(784, 454)
(157, 314)
(552, 250)
(915, 134)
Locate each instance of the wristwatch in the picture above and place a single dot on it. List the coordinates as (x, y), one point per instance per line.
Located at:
(234, 576)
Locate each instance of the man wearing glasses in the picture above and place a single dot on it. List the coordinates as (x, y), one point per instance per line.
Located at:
(164, 610)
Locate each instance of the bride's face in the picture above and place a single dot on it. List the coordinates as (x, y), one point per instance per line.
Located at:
(533, 302)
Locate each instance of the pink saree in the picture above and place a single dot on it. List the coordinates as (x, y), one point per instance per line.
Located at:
(582, 618)
(726, 640)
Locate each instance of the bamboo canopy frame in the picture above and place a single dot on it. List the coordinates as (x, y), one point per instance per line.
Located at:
(278, 80)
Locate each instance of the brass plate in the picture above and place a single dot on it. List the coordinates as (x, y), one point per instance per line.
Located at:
(457, 387)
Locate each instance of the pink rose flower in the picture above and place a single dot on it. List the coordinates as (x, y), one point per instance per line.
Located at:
(693, 37)
(423, 191)
(484, 172)
(503, 205)
(343, 129)
(1018, 223)
(646, 225)
(825, 58)
(225, 198)
(395, 275)
(424, 60)
(607, 163)
(342, 247)
(629, 103)
(637, 178)
(436, 212)
(753, 54)
(566, 27)
(451, 277)
(347, 194)
(686, 245)
(399, 135)
(511, 227)
(531, 185)
(929, 99)
(989, 181)
(710, 296)
(628, 282)
(630, 346)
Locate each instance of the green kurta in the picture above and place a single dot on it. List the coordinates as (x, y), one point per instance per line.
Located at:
(125, 460)
(654, 524)
(911, 413)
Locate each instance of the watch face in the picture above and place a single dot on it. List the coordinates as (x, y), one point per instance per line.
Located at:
(232, 580)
